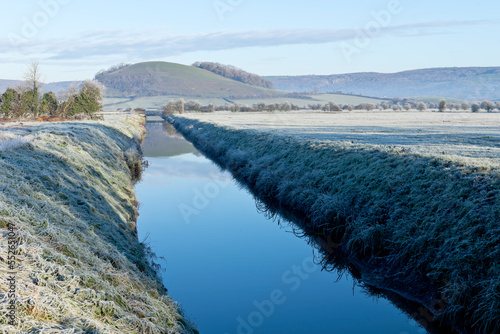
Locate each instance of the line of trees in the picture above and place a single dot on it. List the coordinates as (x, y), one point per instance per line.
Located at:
(488, 106)
(179, 106)
(235, 73)
(441, 106)
(27, 100)
(99, 75)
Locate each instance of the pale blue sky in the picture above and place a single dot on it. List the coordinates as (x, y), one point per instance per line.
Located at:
(72, 39)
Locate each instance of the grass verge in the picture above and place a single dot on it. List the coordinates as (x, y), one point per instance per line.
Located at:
(67, 193)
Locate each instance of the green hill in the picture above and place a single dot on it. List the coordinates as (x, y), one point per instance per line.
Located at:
(163, 78)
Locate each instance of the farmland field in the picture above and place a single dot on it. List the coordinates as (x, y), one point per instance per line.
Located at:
(156, 102)
(315, 99)
(471, 138)
(153, 102)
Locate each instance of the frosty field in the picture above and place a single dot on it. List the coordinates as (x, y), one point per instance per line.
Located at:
(471, 138)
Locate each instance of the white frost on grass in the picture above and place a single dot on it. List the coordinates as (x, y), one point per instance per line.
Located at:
(80, 266)
(11, 141)
(473, 138)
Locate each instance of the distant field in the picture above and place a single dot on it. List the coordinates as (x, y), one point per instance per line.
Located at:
(346, 99)
(115, 102)
(436, 99)
(315, 99)
(155, 102)
(473, 138)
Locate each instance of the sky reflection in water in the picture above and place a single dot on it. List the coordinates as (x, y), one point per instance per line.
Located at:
(232, 270)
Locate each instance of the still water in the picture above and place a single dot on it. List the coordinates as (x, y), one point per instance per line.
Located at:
(231, 269)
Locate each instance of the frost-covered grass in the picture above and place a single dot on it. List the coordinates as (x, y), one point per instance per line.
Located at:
(411, 201)
(10, 141)
(471, 138)
(67, 190)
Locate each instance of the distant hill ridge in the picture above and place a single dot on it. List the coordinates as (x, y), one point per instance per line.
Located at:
(170, 79)
(163, 78)
(465, 83)
(55, 87)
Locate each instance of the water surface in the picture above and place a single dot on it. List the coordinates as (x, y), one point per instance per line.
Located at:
(231, 269)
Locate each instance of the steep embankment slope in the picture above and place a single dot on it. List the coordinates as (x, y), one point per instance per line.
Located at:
(163, 78)
(67, 196)
(424, 226)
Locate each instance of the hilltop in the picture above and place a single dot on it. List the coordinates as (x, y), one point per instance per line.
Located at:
(163, 78)
(464, 83)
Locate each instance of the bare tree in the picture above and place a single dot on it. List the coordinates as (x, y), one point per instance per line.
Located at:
(169, 108)
(66, 100)
(192, 106)
(30, 98)
(179, 105)
(32, 76)
(286, 106)
(488, 106)
(475, 107)
(421, 106)
(442, 105)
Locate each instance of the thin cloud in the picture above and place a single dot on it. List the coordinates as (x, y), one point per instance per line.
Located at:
(151, 44)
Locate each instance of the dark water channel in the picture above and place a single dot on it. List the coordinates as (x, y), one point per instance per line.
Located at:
(232, 269)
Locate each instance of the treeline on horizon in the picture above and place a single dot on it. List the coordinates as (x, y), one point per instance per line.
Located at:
(234, 73)
(27, 100)
(180, 106)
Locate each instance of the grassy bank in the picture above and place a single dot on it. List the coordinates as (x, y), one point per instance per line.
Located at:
(420, 220)
(67, 193)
